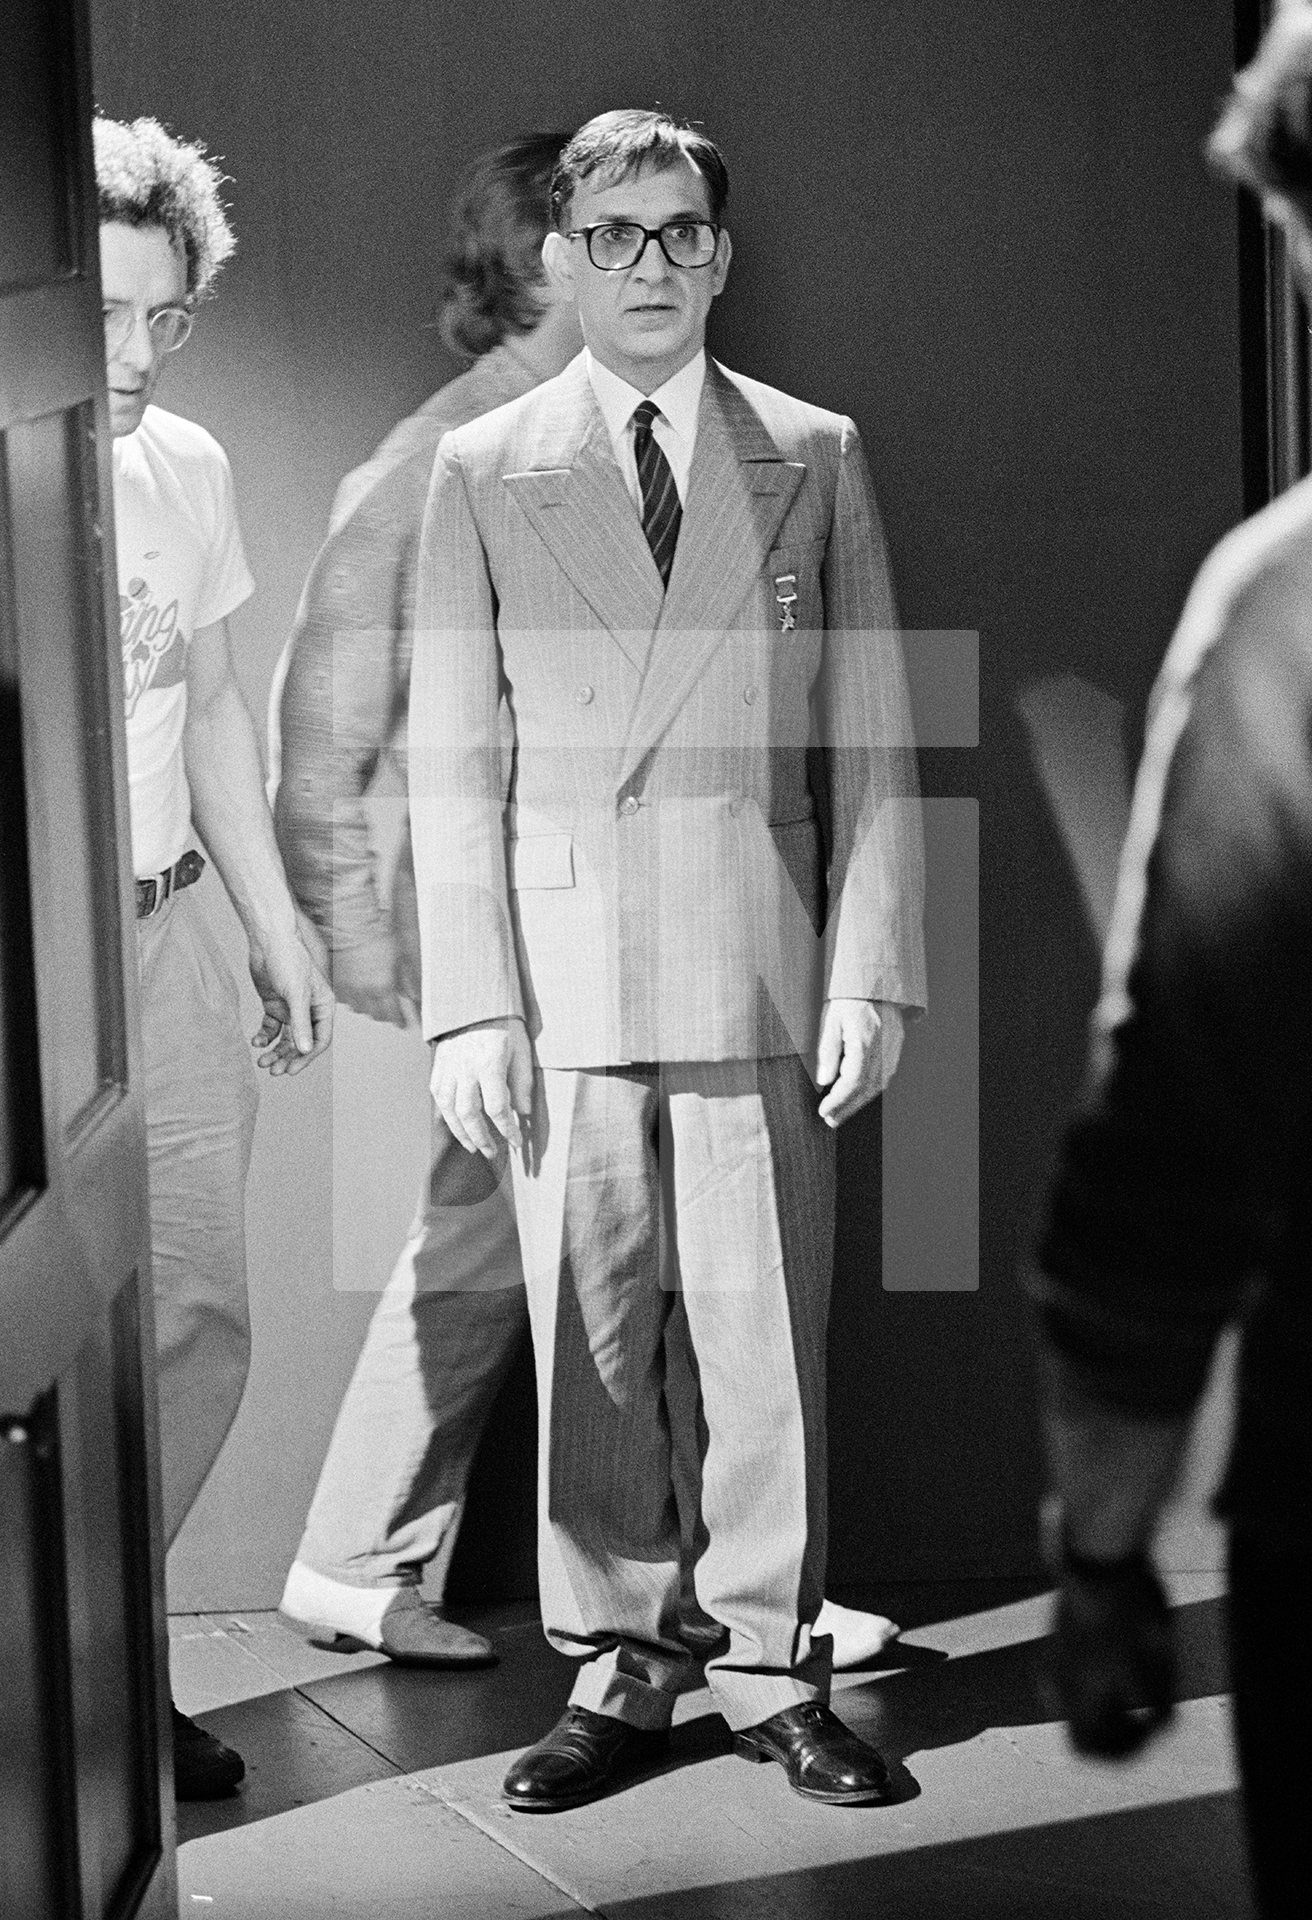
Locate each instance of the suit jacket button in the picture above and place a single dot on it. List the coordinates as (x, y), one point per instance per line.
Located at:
(583, 696)
(749, 695)
(630, 804)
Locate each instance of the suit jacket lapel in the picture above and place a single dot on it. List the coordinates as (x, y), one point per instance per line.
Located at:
(739, 490)
(575, 498)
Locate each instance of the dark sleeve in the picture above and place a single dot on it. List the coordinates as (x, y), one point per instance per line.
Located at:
(1174, 1182)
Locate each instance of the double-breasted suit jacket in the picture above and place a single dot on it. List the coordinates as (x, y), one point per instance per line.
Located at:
(711, 822)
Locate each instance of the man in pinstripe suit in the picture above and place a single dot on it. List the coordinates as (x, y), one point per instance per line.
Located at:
(639, 971)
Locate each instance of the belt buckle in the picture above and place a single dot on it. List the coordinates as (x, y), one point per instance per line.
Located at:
(152, 893)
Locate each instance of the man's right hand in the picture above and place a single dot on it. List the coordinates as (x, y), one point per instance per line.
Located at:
(364, 979)
(482, 1084)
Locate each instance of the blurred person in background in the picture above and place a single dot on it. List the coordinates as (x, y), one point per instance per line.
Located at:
(387, 1507)
(1184, 1197)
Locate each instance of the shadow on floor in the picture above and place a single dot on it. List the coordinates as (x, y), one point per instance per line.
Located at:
(930, 1703)
(1128, 1865)
(307, 1743)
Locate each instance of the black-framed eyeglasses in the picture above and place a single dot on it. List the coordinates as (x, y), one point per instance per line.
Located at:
(169, 327)
(616, 244)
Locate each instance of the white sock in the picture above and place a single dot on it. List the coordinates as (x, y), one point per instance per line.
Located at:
(316, 1601)
(857, 1636)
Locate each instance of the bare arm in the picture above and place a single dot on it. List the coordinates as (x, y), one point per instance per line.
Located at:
(232, 817)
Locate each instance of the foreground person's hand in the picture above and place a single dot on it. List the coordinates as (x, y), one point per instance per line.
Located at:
(482, 1084)
(1111, 1659)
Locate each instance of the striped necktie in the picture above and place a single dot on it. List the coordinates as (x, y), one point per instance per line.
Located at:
(661, 512)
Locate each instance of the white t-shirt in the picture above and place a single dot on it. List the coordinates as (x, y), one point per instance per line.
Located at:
(180, 567)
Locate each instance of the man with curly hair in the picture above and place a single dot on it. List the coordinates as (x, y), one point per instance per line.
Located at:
(193, 772)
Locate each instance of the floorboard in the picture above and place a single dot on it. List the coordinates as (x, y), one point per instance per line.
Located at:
(388, 1851)
(376, 1791)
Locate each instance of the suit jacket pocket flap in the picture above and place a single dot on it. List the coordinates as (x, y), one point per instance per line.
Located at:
(797, 554)
(542, 860)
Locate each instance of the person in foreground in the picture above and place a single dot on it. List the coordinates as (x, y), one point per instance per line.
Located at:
(390, 1497)
(636, 975)
(193, 772)
(1184, 1199)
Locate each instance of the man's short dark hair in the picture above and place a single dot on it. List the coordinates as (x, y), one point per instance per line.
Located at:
(615, 145)
(492, 269)
(147, 178)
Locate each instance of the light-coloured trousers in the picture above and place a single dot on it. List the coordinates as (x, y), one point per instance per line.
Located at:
(201, 1101)
(391, 1492)
(703, 1192)
(390, 1497)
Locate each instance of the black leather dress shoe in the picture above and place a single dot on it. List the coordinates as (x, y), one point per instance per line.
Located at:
(823, 1759)
(203, 1768)
(584, 1754)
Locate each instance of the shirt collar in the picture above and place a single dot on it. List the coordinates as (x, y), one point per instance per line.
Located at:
(678, 399)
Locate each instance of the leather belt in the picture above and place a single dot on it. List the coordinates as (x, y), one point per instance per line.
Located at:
(152, 893)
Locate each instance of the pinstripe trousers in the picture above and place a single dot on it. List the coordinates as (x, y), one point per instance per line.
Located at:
(700, 1192)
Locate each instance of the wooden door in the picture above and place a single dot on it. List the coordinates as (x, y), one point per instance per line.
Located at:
(86, 1823)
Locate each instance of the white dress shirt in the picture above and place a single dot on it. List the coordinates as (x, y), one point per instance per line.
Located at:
(674, 428)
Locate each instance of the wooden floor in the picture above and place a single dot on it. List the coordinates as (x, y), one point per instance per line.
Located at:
(375, 1792)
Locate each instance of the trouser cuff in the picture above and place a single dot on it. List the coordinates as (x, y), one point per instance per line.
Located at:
(746, 1699)
(602, 1687)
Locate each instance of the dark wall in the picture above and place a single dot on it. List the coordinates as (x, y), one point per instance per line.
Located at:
(989, 235)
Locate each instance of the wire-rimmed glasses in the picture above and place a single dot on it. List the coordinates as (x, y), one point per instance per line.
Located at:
(169, 327)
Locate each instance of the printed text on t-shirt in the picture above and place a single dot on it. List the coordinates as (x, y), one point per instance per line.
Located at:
(153, 651)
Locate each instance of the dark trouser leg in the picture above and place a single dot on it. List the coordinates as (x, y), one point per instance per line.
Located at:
(1271, 1671)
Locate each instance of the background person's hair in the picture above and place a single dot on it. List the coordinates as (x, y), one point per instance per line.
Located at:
(146, 178)
(1264, 136)
(492, 268)
(615, 145)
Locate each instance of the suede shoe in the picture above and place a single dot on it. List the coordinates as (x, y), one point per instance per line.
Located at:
(421, 1637)
(415, 1636)
(823, 1759)
(584, 1754)
(203, 1768)
(396, 1621)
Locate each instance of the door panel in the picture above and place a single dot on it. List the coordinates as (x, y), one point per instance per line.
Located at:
(37, 96)
(86, 1814)
(38, 1852)
(45, 459)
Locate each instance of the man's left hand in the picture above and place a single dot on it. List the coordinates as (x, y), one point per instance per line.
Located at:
(860, 1044)
(298, 1005)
